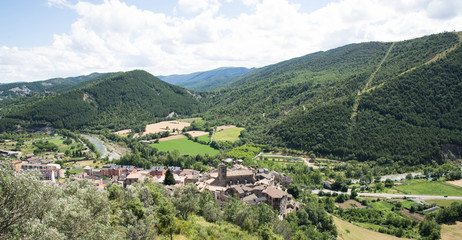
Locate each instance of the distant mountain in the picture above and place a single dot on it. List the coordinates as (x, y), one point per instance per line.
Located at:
(208, 80)
(124, 99)
(377, 101)
(50, 86)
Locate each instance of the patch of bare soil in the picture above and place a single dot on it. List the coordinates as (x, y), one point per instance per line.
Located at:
(414, 216)
(165, 126)
(350, 204)
(455, 183)
(197, 133)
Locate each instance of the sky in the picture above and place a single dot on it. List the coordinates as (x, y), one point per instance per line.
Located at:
(42, 39)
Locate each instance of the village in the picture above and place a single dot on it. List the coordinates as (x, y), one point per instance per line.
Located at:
(252, 186)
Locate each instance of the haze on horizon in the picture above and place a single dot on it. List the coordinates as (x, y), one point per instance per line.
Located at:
(61, 38)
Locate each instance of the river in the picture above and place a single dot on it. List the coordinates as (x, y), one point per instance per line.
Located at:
(101, 148)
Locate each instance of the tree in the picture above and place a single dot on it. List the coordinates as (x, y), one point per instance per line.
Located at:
(169, 179)
(186, 200)
(294, 189)
(409, 176)
(354, 194)
(20, 198)
(166, 215)
(430, 229)
(388, 183)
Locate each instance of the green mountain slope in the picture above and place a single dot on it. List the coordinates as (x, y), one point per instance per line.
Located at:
(208, 80)
(121, 100)
(399, 101)
(54, 85)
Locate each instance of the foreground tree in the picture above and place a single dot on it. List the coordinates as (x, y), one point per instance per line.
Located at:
(186, 200)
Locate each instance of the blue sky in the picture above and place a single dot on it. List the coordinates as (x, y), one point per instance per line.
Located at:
(41, 39)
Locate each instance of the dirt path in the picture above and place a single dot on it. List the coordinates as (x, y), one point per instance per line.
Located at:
(308, 162)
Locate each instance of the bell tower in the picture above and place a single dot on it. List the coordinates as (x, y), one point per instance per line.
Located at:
(222, 174)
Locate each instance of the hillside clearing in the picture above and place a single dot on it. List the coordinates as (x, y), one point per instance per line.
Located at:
(227, 133)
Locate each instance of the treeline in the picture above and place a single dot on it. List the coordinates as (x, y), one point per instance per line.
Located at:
(116, 102)
(143, 210)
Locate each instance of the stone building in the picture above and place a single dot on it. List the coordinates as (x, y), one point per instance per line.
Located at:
(234, 176)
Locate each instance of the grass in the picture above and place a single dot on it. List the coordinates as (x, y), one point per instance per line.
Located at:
(229, 134)
(451, 232)
(185, 147)
(381, 205)
(205, 138)
(63, 147)
(75, 171)
(407, 204)
(430, 188)
(349, 231)
(443, 202)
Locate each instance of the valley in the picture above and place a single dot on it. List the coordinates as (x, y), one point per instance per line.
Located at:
(360, 140)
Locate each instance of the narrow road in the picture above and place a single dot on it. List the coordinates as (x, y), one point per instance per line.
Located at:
(386, 195)
(409, 196)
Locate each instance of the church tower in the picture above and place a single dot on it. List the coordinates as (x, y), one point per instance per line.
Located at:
(222, 174)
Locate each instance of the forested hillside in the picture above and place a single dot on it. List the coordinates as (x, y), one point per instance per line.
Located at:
(54, 85)
(208, 80)
(121, 100)
(394, 101)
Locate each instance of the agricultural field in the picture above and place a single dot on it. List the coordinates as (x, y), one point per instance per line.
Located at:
(165, 126)
(430, 188)
(350, 204)
(457, 183)
(205, 138)
(185, 147)
(349, 231)
(443, 202)
(451, 231)
(227, 134)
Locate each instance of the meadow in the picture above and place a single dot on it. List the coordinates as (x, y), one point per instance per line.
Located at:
(430, 188)
(228, 134)
(185, 147)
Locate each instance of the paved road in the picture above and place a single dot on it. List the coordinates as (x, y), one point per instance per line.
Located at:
(409, 196)
(386, 195)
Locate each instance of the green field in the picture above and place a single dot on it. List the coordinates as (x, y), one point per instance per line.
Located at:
(381, 205)
(185, 147)
(205, 138)
(443, 202)
(430, 188)
(230, 134)
(63, 147)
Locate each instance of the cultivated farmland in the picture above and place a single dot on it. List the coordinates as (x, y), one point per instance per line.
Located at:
(185, 147)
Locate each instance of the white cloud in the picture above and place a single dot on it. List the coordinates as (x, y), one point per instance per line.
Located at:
(113, 36)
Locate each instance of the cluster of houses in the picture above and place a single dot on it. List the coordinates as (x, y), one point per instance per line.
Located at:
(252, 186)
